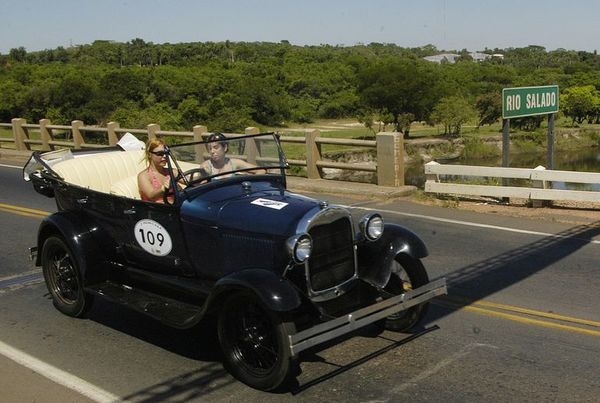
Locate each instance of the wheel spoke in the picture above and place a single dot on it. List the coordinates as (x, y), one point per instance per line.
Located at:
(254, 341)
(63, 277)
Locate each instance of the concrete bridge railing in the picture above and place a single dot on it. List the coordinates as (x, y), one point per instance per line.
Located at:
(389, 166)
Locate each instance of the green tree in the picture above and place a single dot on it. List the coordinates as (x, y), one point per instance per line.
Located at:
(489, 107)
(340, 104)
(400, 87)
(72, 95)
(191, 112)
(452, 112)
(371, 118)
(578, 103)
(11, 102)
(18, 54)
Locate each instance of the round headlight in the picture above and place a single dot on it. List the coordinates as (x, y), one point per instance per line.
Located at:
(372, 227)
(300, 247)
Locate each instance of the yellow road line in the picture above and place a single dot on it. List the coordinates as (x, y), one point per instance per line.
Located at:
(517, 309)
(539, 313)
(21, 213)
(473, 307)
(538, 322)
(24, 211)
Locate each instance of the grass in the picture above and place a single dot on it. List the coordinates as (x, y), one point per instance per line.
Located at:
(475, 147)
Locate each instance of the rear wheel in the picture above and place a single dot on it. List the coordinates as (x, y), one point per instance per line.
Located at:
(63, 279)
(408, 274)
(255, 343)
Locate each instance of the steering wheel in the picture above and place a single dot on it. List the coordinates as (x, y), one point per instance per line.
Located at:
(193, 173)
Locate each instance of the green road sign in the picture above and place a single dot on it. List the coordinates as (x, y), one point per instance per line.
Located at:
(529, 101)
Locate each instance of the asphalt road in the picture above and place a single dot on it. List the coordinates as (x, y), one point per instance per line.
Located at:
(521, 323)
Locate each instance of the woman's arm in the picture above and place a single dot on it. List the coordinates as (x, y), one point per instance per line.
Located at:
(245, 164)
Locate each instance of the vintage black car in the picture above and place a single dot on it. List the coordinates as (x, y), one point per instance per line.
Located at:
(281, 272)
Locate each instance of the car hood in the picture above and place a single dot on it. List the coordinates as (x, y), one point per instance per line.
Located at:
(264, 211)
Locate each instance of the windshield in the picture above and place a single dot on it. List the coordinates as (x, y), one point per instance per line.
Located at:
(221, 156)
(39, 161)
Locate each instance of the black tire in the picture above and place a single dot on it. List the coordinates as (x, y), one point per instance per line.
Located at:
(63, 278)
(409, 274)
(255, 343)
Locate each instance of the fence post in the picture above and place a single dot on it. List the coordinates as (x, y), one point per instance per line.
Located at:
(251, 145)
(77, 137)
(390, 159)
(152, 129)
(429, 177)
(45, 135)
(199, 149)
(539, 185)
(112, 134)
(313, 155)
(19, 133)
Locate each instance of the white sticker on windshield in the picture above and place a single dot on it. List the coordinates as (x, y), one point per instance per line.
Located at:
(153, 237)
(277, 205)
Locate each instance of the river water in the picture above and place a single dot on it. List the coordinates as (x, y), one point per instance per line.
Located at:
(584, 160)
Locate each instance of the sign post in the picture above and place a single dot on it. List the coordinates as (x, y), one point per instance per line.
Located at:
(530, 101)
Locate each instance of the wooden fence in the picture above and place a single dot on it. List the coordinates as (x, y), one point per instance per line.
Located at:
(539, 181)
(389, 166)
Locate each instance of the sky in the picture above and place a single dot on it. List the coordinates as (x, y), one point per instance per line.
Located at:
(446, 24)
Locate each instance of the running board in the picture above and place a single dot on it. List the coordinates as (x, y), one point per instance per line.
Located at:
(169, 311)
(331, 329)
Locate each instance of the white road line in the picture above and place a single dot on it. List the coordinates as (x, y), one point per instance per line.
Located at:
(57, 375)
(10, 166)
(474, 224)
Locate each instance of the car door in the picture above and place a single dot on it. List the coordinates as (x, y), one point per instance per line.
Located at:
(150, 237)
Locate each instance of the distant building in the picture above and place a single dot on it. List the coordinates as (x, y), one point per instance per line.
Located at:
(479, 57)
(451, 57)
(442, 57)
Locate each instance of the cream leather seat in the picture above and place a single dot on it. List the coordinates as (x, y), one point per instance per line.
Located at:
(113, 172)
(99, 171)
(127, 187)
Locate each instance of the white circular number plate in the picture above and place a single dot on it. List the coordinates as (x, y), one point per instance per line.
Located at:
(153, 237)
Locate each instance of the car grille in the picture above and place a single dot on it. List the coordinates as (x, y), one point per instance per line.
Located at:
(332, 259)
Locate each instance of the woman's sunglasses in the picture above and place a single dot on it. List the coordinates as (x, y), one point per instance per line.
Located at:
(159, 153)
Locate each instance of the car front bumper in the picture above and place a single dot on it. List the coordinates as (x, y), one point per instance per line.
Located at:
(331, 329)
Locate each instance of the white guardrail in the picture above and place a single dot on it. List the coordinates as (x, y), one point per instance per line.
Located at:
(539, 177)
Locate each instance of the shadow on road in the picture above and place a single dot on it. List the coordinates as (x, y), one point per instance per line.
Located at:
(185, 387)
(482, 279)
(199, 342)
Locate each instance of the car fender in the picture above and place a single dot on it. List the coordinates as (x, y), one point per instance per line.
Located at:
(276, 292)
(375, 259)
(82, 241)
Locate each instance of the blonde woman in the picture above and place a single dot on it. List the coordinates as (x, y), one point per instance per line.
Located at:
(154, 181)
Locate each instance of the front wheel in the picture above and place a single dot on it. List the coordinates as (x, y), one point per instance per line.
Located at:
(255, 343)
(63, 279)
(407, 274)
